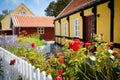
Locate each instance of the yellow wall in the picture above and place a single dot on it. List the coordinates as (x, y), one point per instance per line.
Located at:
(72, 17)
(6, 21)
(56, 27)
(117, 21)
(64, 20)
(103, 21)
(88, 12)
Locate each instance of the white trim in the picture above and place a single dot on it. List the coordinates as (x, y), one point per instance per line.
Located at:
(76, 27)
(40, 30)
(58, 29)
(64, 29)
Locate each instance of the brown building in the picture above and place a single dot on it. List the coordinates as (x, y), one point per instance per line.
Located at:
(32, 24)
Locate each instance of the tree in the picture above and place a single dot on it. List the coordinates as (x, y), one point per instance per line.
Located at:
(55, 8)
(50, 11)
(4, 13)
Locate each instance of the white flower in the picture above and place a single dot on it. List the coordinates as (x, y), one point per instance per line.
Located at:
(93, 58)
(112, 57)
(110, 51)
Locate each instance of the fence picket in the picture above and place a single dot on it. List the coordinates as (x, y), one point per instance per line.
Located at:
(21, 67)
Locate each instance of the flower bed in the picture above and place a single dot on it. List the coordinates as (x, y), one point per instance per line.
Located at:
(77, 60)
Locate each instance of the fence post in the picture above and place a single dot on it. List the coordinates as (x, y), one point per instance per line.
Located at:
(43, 75)
(37, 74)
(49, 77)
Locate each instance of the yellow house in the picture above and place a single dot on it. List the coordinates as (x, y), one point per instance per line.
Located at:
(82, 19)
(22, 9)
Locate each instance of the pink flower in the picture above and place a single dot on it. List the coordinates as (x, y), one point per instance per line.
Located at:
(60, 53)
(62, 60)
(58, 78)
(115, 53)
(12, 62)
(33, 45)
(87, 44)
(60, 72)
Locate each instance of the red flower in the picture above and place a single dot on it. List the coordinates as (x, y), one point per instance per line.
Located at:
(60, 72)
(110, 46)
(33, 45)
(115, 53)
(60, 53)
(58, 78)
(76, 48)
(24, 32)
(62, 60)
(87, 44)
(76, 44)
(12, 62)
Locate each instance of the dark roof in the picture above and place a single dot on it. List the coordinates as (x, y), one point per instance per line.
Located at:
(73, 6)
(32, 21)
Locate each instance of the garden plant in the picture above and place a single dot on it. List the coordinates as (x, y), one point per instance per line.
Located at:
(96, 60)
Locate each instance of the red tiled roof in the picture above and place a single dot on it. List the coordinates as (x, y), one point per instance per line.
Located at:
(74, 5)
(32, 21)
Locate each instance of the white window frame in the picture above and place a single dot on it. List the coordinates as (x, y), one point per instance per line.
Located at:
(41, 30)
(58, 29)
(76, 27)
(64, 29)
(22, 12)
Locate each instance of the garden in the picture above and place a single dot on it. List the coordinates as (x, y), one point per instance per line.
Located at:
(77, 60)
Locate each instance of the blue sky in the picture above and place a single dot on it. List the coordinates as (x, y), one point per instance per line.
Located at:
(36, 6)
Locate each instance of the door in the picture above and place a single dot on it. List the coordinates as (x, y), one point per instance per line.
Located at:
(89, 28)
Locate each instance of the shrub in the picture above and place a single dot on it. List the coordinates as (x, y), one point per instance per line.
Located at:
(89, 61)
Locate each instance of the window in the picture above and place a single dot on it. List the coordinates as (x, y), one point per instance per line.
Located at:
(58, 29)
(41, 30)
(22, 12)
(64, 29)
(76, 27)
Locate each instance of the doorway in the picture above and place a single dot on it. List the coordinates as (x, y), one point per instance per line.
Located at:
(89, 28)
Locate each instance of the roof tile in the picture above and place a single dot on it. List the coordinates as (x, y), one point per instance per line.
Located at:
(73, 5)
(32, 21)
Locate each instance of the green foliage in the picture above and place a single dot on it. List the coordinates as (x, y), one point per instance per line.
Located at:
(92, 61)
(4, 13)
(55, 8)
(34, 38)
(85, 64)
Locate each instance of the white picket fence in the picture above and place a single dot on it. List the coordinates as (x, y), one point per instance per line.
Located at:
(20, 68)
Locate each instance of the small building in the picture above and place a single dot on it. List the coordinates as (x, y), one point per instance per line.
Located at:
(33, 24)
(83, 18)
(21, 9)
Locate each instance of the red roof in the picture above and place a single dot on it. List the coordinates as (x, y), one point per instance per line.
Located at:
(74, 5)
(32, 21)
